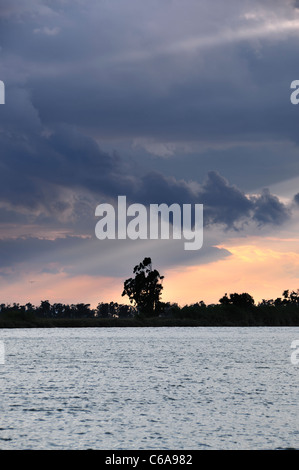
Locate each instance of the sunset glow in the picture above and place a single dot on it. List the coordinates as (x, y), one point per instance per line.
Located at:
(192, 106)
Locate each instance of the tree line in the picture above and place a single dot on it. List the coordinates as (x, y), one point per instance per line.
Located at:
(60, 310)
(144, 292)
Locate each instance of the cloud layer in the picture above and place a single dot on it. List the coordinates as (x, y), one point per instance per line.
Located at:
(164, 102)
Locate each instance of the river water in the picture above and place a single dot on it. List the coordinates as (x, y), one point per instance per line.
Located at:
(149, 388)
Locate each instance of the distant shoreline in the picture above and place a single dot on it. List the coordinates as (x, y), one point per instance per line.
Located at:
(235, 310)
(130, 322)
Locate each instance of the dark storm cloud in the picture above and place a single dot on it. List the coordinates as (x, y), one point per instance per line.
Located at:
(268, 209)
(224, 203)
(107, 70)
(131, 101)
(81, 256)
(249, 167)
(78, 73)
(21, 250)
(37, 167)
(65, 172)
(50, 177)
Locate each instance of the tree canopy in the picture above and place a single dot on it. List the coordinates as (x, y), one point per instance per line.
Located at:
(144, 290)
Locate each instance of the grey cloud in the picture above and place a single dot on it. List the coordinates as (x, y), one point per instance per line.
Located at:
(249, 166)
(229, 89)
(19, 117)
(201, 106)
(224, 204)
(28, 250)
(67, 171)
(269, 210)
(140, 70)
(84, 256)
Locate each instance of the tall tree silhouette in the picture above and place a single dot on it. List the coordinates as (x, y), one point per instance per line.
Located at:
(145, 288)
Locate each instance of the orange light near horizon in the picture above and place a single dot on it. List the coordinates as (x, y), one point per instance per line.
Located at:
(263, 273)
(60, 288)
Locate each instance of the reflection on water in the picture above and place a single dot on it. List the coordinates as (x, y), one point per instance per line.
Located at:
(147, 388)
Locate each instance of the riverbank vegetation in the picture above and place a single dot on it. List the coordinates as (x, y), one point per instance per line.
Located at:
(146, 309)
(232, 310)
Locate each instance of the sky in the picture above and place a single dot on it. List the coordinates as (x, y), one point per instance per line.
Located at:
(162, 101)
